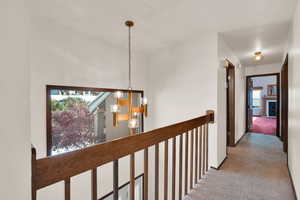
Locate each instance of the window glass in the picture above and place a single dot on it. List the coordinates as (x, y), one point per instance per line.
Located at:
(80, 118)
(256, 98)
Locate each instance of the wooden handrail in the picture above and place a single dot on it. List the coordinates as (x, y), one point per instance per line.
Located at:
(61, 167)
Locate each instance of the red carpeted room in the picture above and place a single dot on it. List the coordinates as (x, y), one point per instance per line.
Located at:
(264, 125)
(262, 95)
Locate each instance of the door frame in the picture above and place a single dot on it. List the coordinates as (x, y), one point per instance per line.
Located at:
(284, 107)
(247, 102)
(230, 105)
(278, 99)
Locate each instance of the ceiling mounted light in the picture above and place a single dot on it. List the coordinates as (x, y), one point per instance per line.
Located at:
(133, 111)
(258, 56)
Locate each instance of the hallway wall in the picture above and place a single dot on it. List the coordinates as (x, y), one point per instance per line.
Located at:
(225, 52)
(240, 103)
(263, 69)
(183, 84)
(62, 56)
(294, 98)
(15, 168)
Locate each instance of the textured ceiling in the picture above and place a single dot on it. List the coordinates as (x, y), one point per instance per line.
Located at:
(269, 39)
(158, 23)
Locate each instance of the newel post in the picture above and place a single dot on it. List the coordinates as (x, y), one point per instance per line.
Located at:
(33, 173)
(211, 114)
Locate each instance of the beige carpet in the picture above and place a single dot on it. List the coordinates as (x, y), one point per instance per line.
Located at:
(255, 170)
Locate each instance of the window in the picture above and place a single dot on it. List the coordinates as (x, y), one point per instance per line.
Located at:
(256, 98)
(80, 117)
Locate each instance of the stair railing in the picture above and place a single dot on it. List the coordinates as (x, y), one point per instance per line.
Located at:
(192, 166)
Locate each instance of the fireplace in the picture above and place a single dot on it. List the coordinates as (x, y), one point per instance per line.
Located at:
(271, 106)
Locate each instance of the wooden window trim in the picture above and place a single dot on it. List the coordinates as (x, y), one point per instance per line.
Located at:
(61, 87)
(258, 88)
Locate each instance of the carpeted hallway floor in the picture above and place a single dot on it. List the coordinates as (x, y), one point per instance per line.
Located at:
(255, 170)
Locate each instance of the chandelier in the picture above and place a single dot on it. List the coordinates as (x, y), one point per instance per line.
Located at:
(133, 111)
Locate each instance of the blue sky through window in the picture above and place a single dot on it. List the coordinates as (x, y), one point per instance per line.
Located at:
(256, 98)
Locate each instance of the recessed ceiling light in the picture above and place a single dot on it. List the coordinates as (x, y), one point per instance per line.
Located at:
(258, 56)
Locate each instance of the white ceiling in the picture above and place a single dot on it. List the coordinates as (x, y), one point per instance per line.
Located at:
(269, 39)
(159, 23)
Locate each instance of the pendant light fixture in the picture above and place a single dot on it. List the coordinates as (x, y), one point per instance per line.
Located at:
(133, 112)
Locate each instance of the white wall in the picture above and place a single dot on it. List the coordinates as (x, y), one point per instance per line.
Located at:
(183, 85)
(240, 103)
(294, 99)
(225, 52)
(62, 56)
(14, 102)
(263, 69)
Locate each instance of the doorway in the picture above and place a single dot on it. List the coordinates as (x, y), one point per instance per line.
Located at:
(230, 107)
(263, 107)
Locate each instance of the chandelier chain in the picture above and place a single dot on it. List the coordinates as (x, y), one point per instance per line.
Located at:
(129, 58)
